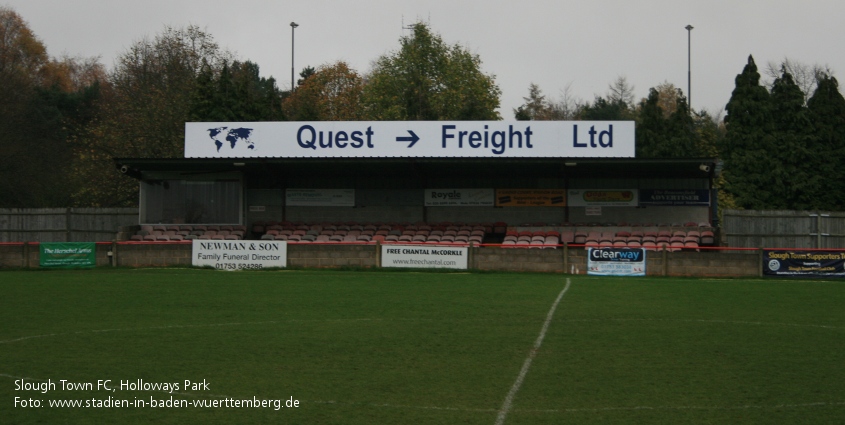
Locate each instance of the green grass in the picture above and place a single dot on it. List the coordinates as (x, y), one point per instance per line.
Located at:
(426, 348)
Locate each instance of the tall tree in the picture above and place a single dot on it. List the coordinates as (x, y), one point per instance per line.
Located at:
(332, 93)
(235, 93)
(535, 107)
(797, 178)
(749, 142)
(805, 76)
(22, 54)
(827, 112)
(667, 134)
(426, 79)
(46, 102)
(153, 87)
(605, 110)
(621, 92)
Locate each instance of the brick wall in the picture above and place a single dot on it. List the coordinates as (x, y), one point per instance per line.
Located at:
(304, 255)
(152, 255)
(564, 260)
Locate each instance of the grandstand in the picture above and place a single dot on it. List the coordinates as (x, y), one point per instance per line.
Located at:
(249, 200)
(531, 201)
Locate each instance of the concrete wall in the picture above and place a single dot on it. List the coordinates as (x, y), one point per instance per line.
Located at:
(563, 260)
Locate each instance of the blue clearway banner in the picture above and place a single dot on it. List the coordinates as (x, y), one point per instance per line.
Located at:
(616, 261)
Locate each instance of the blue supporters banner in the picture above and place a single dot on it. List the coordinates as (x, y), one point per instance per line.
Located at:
(803, 263)
(616, 261)
(676, 197)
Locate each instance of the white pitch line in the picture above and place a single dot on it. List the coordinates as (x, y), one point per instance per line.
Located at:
(506, 406)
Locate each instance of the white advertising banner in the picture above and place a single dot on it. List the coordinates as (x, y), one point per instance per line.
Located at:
(320, 197)
(410, 139)
(460, 197)
(239, 255)
(424, 256)
(602, 198)
(616, 261)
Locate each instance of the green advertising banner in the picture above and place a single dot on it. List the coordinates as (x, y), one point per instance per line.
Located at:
(68, 254)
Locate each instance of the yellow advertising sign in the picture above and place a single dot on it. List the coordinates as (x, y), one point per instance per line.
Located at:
(530, 197)
(603, 197)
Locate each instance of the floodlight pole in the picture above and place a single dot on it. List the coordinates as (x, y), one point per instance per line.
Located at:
(689, 67)
(293, 26)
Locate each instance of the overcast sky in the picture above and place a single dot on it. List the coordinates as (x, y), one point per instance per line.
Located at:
(585, 45)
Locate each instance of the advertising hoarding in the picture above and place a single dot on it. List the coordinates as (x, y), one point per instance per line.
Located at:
(424, 256)
(530, 197)
(67, 254)
(803, 263)
(459, 197)
(238, 254)
(411, 139)
(616, 261)
(602, 198)
(320, 197)
(675, 197)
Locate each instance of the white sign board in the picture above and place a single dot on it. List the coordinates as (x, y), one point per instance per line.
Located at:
(424, 256)
(320, 197)
(239, 255)
(408, 139)
(460, 197)
(616, 261)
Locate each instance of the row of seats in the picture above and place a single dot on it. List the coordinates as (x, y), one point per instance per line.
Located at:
(651, 240)
(261, 227)
(177, 232)
(395, 233)
(688, 224)
(705, 237)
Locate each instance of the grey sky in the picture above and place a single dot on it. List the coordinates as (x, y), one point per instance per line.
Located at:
(553, 43)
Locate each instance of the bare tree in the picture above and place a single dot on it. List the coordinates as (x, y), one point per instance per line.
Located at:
(620, 91)
(567, 105)
(806, 76)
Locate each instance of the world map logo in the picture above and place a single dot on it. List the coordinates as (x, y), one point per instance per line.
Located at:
(231, 137)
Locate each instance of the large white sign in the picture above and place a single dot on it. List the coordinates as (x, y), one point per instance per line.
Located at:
(400, 139)
(239, 255)
(320, 197)
(460, 197)
(424, 256)
(616, 261)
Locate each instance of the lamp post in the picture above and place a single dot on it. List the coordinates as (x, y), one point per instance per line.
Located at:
(293, 26)
(689, 67)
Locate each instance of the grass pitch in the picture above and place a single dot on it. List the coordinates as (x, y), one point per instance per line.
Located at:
(420, 348)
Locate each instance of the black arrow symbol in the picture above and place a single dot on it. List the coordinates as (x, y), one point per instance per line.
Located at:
(413, 138)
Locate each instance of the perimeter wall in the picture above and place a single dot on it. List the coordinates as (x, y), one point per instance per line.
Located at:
(563, 260)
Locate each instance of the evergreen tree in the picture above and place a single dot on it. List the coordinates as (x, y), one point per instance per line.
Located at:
(749, 142)
(237, 93)
(651, 128)
(827, 112)
(535, 107)
(796, 178)
(681, 130)
(606, 110)
(666, 135)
